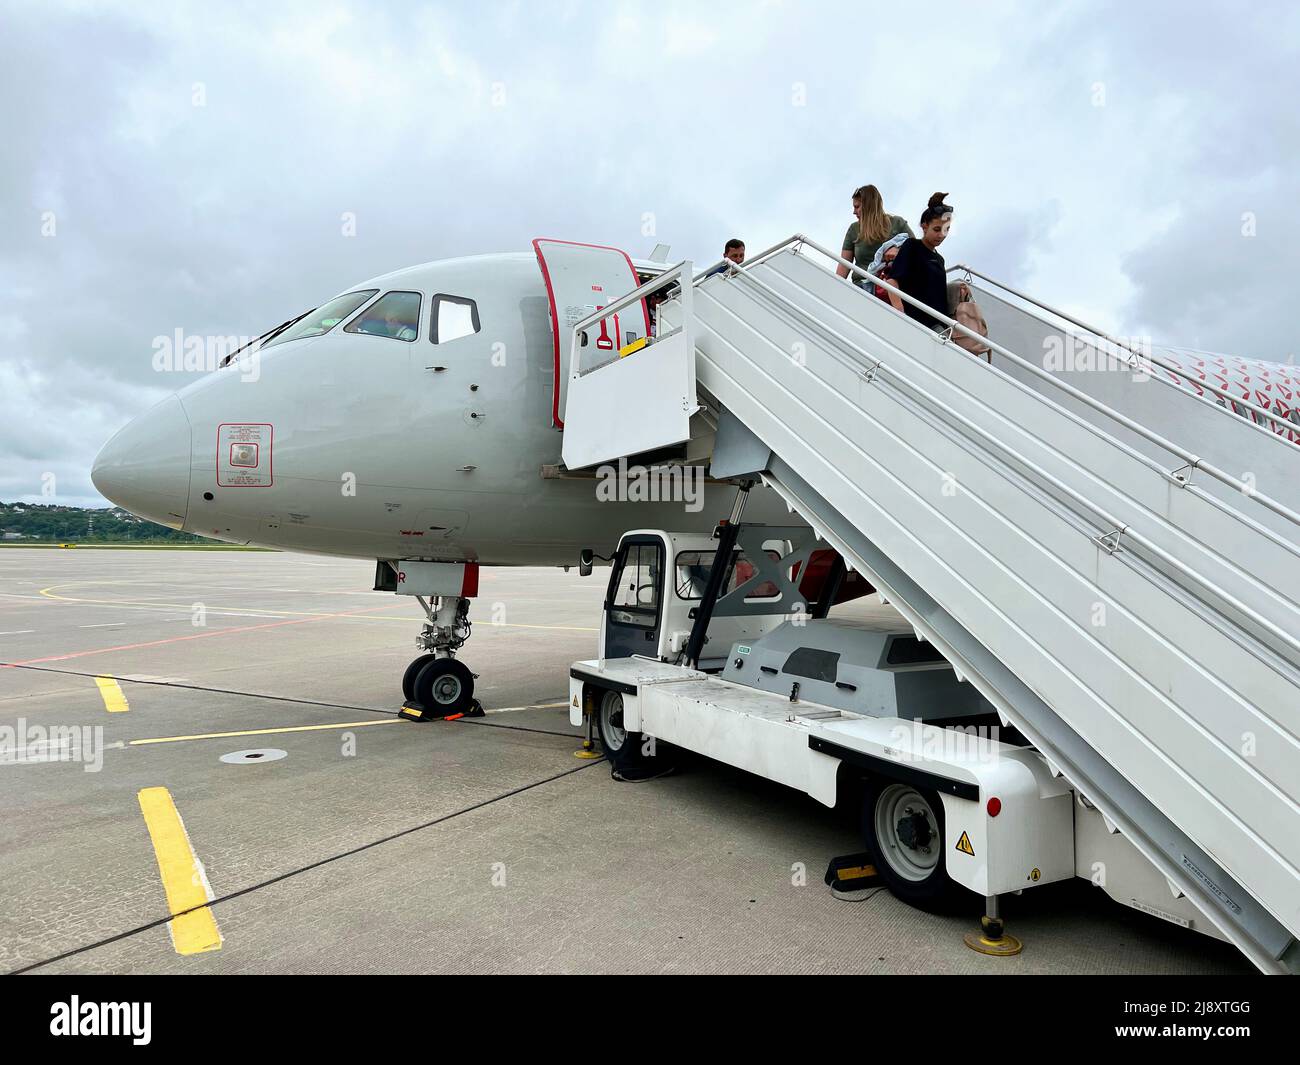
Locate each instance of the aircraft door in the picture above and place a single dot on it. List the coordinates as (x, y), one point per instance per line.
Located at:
(634, 601)
(580, 279)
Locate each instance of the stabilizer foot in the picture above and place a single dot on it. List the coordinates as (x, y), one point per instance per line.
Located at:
(992, 939)
(588, 751)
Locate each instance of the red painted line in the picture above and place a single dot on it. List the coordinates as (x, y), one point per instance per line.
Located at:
(179, 639)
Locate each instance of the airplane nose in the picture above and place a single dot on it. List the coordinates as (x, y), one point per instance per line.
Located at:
(145, 468)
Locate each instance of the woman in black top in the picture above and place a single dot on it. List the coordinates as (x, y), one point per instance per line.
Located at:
(919, 268)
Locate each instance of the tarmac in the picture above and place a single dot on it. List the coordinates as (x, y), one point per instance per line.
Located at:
(354, 841)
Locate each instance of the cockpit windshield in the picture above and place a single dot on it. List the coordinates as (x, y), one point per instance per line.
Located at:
(323, 318)
(395, 315)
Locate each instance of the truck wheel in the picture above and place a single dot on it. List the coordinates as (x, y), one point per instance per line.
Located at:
(902, 827)
(623, 748)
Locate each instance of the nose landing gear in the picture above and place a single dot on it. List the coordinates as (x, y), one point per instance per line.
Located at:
(437, 685)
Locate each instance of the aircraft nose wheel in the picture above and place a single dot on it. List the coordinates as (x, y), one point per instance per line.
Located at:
(441, 687)
(413, 671)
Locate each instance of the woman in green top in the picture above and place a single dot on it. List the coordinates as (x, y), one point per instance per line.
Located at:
(871, 230)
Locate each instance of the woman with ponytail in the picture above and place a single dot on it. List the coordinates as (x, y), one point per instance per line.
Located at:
(872, 228)
(919, 269)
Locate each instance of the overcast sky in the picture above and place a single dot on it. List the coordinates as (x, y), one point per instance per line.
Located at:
(182, 166)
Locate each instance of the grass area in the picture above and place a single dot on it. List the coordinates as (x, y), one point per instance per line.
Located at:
(135, 547)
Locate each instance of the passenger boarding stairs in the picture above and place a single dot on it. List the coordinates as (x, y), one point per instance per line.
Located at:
(1128, 598)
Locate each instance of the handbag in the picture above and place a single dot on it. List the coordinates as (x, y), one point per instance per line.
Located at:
(967, 312)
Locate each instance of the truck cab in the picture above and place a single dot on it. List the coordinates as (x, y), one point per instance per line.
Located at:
(657, 582)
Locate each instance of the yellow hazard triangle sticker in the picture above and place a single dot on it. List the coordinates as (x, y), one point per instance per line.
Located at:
(575, 700)
(964, 846)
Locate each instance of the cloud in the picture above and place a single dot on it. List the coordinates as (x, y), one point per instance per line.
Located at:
(199, 162)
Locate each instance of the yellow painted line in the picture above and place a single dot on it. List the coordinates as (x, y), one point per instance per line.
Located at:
(259, 732)
(114, 698)
(194, 930)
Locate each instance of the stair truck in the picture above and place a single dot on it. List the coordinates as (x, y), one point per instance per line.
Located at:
(1083, 657)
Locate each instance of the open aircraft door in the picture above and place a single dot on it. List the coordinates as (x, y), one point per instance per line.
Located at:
(581, 279)
(618, 391)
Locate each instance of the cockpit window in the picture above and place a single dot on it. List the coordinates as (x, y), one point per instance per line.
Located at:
(453, 317)
(395, 315)
(323, 319)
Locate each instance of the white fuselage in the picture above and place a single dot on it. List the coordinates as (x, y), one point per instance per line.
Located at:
(367, 450)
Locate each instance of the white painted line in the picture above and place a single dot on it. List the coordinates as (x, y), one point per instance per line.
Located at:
(17, 632)
(530, 706)
(36, 751)
(104, 625)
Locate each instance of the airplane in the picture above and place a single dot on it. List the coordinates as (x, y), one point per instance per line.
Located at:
(413, 418)
(416, 419)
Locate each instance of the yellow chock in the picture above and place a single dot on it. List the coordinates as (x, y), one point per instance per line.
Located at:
(850, 876)
(412, 712)
(992, 938)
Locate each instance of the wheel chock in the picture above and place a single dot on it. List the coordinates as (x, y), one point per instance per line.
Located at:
(851, 874)
(992, 939)
(413, 711)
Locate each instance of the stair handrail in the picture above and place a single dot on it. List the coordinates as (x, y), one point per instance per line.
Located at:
(639, 293)
(1191, 461)
(1110, 521)
(1172, 367)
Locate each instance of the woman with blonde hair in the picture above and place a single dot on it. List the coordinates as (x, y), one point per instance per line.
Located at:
(872, 228)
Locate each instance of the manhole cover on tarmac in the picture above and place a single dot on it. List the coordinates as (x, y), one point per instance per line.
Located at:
(263, 754)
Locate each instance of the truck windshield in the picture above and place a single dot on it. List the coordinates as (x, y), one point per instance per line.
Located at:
(323, 318)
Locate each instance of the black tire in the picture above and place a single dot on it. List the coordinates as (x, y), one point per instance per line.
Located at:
(444, 687)
(912, 860)
(413, 671)
(622, 748)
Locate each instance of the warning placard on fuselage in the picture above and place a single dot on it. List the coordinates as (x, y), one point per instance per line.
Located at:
(244, 455)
